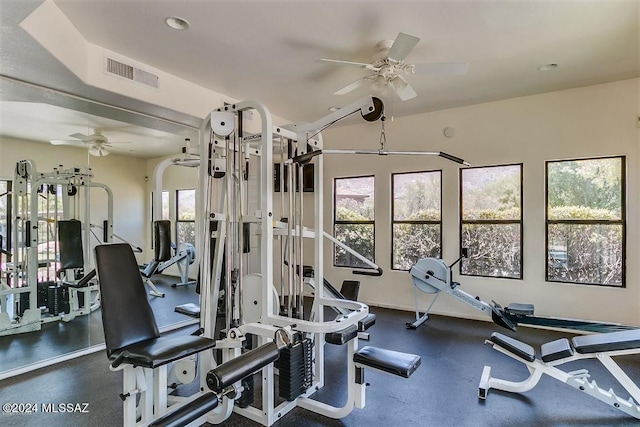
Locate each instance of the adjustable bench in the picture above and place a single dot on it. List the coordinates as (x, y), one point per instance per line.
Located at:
(600, 346)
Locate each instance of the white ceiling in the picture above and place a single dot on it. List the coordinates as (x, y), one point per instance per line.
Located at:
(268, 50)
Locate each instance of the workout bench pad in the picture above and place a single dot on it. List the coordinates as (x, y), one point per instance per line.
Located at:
(392, 362)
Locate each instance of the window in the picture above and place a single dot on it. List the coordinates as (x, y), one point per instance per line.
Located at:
(585, 221)
(186, 216)
(354, 223)
(491, 221)
(416, 218)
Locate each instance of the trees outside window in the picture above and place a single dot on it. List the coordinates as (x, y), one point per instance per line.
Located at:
(354, 220)
(491, 221)
(416, 217)
(185, 216)
(585, 221)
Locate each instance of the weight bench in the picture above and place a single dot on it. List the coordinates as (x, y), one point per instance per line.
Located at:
(389, 361)
(601, 346)
(135, 346)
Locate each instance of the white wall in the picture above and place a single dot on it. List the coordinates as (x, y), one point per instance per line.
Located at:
(591, 121)
(123, 175)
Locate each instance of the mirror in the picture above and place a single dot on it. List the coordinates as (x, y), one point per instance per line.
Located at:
(71, 142)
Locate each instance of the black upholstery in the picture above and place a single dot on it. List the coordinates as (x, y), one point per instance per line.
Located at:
(612, 341)
(70, 244)
(555, 350)
(392, 362)
(162, 240)
(367, 322)
(521, 309)
(189, 412)
(350, 289)
(343, 336)
(130, 329)
(242, 366)
(520, 349)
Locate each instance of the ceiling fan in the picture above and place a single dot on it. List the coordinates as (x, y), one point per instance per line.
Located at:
(388, 66)
(96, 142)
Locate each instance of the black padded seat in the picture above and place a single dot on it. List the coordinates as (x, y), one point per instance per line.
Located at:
(160, 351)
(612, 341)
(392, 362)
(520, 349)
(555, 350)
(520, 309)
(343, 336)
(130, 329)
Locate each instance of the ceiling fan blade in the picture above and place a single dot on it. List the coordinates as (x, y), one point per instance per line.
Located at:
(402, 45)
(358, 64)
(402, 88)
(79, 136)
(350, 87)
(66, 142)
(457, 69)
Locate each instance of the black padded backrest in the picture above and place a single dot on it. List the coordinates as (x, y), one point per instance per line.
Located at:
(127, 317)
(162, 240)
(350, 289)
(70, 244)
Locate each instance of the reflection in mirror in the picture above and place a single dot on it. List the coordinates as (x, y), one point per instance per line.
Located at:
(75, 174)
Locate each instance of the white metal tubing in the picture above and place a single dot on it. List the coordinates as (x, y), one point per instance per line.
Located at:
(365, 105)
(351, 251)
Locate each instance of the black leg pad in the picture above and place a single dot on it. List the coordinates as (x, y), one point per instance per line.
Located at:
(343, 336)
(367, 322)
(242, 366)
(392, 362)
(188, 413)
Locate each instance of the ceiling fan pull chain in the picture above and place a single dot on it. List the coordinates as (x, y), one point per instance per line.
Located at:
(383, 136)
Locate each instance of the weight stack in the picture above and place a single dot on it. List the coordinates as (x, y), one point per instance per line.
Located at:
(294, 370)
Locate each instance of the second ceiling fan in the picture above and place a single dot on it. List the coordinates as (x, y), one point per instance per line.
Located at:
(388, 67)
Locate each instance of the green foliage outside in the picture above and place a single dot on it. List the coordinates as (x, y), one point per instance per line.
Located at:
(579, 191)
(492, 194)
(358, 237)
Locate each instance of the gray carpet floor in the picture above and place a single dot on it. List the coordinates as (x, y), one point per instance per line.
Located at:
(442, 392)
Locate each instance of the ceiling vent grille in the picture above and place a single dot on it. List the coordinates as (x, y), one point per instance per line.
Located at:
(129, 72)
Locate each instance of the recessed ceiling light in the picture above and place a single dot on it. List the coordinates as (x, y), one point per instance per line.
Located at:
(548, 67)
(332, 109)
(177, 23)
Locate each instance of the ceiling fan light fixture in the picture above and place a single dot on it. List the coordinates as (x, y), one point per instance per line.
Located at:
(380, 82)
(399, 84)
(98, 151)
(177, 23)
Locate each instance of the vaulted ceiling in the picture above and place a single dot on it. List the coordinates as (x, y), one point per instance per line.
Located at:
(268, 50)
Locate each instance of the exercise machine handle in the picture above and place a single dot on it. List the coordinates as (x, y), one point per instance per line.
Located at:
(377, 272)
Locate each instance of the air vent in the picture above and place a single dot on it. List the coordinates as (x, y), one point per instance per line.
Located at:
(130, 72)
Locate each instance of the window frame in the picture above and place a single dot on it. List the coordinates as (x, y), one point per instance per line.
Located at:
(520, 221)
(423, 222)
(622, 221)
(177, 211)
(342, 222)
